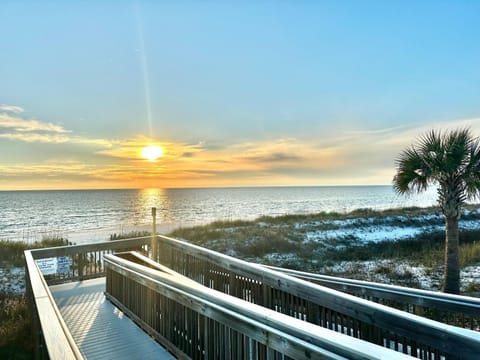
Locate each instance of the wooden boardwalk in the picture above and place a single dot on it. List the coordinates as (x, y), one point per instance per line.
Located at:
(100, 330)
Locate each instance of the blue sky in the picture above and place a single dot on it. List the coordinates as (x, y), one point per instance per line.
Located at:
(236, 93)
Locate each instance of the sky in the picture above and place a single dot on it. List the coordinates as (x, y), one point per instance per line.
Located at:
(250, 93)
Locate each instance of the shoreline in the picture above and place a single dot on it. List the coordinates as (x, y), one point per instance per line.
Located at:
(100, 235)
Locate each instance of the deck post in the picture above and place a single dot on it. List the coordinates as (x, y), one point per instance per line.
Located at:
(154, 233)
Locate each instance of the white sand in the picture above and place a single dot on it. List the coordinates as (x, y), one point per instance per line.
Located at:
(12, 279)
(99, 235)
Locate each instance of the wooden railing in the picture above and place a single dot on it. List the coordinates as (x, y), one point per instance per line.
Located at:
(462, 311)
(196, 322)
(51, 335)
(86, 261)
(344, 313)
(297, 298)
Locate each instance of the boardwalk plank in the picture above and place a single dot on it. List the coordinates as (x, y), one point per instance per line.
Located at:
(100, 330)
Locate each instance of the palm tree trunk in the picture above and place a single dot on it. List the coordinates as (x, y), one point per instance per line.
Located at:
(452, 266)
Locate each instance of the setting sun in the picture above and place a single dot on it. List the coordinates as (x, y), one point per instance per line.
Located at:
(152, 152)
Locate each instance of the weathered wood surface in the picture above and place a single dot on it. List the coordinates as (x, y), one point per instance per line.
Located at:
(87, 260)
(77, 249)
(191, 304)
(59, 343)
(100, 329)
(318, 304)
(439, 301)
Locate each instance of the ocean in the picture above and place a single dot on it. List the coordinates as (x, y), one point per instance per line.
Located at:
(31, 215)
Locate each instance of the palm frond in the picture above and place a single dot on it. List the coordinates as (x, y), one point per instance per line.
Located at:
(448, 158)
(456, 146)
(412, 174)
(472, 170)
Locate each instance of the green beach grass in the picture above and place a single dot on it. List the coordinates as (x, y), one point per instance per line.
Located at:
(16, 340)
(335, 249)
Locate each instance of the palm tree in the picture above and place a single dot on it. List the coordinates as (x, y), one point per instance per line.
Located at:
(450, 161)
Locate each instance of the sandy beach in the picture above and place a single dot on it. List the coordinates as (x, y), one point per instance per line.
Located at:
(100, 235)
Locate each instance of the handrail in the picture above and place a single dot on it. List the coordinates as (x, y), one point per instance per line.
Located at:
(329, 308)
(440, 301)
(75, 249)
(56, 336)
(87, 260)
(295, 297)
(290, 336)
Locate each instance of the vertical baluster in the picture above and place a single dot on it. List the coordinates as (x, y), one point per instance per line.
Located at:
(270, 354)
(183, 329)
(161, 314)
(241, 348)
(328, 323)
(322, 317)
(284, 301)
(228, 343)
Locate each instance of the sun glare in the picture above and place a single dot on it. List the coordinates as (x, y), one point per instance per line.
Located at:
(152, 152)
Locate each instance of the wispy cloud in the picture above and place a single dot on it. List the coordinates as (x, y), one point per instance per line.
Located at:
(33, 137)
(22, 125)
(377, 131)
(14, 127)
(106, 143)
(11, 108)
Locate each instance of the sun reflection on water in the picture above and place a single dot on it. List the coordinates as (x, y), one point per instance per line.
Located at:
(158, 198)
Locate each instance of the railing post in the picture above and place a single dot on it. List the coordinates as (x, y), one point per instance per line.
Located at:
(154, 233)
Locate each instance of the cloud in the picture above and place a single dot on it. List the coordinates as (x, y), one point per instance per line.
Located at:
(351, 157)
(33, 137)
(130, 149)
(13, 127)
(21, 125)
(107, 143)
(182, 165)
(403, 136)
(376, 131)
(11, 108)
(276, 157)
(369, 156)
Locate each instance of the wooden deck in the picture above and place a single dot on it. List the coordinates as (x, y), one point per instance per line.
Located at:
(96, 327)
(100, 330)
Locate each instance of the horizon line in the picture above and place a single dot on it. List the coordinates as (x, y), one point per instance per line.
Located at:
(197, 187)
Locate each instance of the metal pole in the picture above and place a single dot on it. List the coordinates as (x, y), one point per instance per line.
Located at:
(154, 233)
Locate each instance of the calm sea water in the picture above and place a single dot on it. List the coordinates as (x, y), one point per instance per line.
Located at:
(30, 215)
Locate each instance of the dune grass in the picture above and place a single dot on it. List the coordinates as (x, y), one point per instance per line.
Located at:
(15, 327)
(283, 241)
(266, 235)
(470, 253)
(129, 235)
(16, 340)
(12, 251)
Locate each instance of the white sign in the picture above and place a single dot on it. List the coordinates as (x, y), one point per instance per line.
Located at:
(47, 266)
(63, 264)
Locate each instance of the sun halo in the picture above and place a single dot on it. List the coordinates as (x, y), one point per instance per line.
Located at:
(152, 152)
